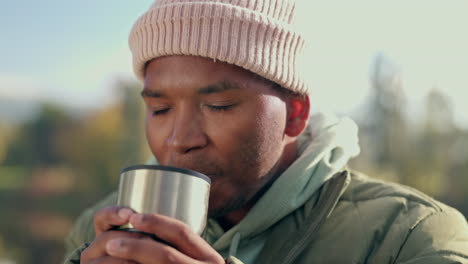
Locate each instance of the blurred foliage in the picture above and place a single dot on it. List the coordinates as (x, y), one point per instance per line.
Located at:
(57, 164)
(429, 153)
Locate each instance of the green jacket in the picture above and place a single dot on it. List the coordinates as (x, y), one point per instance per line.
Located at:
(350, 219)
(315, 213)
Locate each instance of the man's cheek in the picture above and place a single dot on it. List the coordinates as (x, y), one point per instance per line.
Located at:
(154, 143)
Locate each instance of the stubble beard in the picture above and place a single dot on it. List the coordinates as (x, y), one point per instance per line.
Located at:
(229, 207)
(256, 150)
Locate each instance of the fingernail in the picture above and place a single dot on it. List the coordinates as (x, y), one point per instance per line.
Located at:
(125, 213)
(114, 246)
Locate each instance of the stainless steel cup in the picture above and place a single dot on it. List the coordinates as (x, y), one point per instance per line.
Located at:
(179, 193)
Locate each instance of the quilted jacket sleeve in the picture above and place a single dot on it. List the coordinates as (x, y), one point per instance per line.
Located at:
(82, 233)
(79, 238)
(441, 237)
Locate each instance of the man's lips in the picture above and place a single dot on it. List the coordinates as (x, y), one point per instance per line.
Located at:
(212, 175)
(210, 170)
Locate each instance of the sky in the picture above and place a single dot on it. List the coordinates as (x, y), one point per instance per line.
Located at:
(71, 51)
(68, 51)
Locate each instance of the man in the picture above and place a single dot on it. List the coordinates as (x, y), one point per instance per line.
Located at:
(226, 96)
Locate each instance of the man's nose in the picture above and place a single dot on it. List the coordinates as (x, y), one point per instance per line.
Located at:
(187, 133)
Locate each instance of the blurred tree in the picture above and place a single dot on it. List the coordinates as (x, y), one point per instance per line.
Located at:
(445, 147)
(387, 119)
(57, 164)
(134, 147)
(384, 129)
(439, 113)
(36, 144)
(430, 155)
(105, 141)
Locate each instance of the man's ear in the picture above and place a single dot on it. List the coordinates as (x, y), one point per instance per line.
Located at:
(298, 115)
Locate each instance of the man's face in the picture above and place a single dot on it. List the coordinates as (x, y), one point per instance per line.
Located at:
(217, 119)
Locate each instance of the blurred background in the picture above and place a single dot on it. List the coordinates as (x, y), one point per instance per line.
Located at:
(71, 116)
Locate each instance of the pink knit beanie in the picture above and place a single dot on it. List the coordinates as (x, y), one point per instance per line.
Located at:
(257, 35)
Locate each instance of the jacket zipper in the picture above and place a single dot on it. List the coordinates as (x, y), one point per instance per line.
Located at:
(327, 202)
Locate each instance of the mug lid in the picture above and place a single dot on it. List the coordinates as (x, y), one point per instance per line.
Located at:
(168, 168)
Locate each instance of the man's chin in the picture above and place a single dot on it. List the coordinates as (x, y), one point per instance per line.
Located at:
(221, 210)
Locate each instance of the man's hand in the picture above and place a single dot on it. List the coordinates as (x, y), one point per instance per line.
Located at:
(127, 247)
(104, 221)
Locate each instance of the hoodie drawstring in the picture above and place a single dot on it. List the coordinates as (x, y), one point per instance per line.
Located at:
(234, 244)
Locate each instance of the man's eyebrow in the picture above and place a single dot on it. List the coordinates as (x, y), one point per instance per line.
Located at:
(212, 88)
(218, 87)
(148, 93)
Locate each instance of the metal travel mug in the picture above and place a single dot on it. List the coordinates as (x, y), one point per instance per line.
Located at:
(179, 193)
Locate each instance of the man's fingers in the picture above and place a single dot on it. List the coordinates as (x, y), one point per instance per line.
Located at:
(109, 217)
(110, 260)
(97, 249)
(145, 251)
(177, 234)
